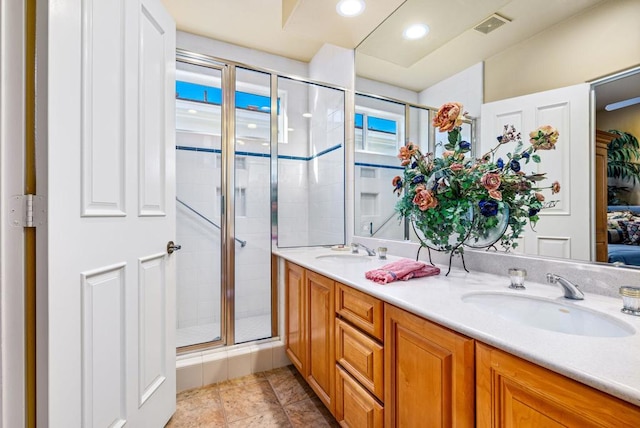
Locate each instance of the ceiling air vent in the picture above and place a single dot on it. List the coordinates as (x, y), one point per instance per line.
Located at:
(491, 23)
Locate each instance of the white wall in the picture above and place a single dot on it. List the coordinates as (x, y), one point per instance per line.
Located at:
(374, 87)
(230, 52)
(465, 87)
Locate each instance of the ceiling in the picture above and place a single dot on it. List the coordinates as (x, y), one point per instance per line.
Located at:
(291, 28)
(297, 29)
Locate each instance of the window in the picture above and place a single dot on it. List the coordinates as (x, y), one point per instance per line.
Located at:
(378, 132)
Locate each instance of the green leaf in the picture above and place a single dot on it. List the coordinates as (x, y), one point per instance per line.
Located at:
(535, 158)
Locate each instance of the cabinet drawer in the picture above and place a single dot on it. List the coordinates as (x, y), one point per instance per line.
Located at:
(361, 356)
(362, 310)
(355, 407)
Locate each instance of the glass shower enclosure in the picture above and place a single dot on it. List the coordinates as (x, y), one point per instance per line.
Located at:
(259, 161)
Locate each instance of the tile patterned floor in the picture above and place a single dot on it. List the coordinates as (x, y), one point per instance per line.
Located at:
(276, 398)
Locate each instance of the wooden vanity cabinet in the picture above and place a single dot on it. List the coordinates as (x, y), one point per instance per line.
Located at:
(309, 329)
(373, 365)
(359, 329)
(320, 327)
(294, 320)
(428, 372)
(512, 392)
(355, 406)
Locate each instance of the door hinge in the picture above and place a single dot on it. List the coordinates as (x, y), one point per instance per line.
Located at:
(27, 211)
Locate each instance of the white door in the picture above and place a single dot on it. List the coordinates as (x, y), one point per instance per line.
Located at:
(108, 354)
(565, 230)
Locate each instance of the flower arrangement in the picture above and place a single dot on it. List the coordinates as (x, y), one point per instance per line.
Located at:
(454, 199)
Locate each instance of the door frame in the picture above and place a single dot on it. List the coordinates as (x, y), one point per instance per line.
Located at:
(13, 127)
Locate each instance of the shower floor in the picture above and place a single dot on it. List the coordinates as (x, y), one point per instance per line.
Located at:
(247, 329)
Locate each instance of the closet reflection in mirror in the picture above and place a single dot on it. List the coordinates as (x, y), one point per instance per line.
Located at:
(543, 47)
(382, 126)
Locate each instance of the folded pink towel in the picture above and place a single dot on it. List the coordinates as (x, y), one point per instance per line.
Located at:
(401, 270)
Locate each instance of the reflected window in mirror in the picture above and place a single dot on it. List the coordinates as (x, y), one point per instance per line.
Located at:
(379, 134)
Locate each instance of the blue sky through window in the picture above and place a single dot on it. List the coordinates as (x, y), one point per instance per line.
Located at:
(211, 95)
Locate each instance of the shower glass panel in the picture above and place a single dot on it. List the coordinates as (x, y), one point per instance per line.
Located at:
(198, 190)
(310, 164)
(379, 134)
(252, 206)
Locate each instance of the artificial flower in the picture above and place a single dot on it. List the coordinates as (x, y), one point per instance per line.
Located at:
(448, 196)
(449, 116)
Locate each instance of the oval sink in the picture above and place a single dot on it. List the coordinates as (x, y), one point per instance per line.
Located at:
(549, 315)
(344, 258)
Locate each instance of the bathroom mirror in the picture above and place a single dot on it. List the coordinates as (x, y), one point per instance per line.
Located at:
(536, 46)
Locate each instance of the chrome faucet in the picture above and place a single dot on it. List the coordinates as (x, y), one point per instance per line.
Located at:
(571, 291)
(355, 245)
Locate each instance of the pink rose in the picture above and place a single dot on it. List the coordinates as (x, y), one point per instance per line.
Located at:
(539, 197)
(491, 181)
(457, 167)
(555, 187)
(495, 194)
(425, 199)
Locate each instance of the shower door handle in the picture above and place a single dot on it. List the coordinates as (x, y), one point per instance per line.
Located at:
(172, 247)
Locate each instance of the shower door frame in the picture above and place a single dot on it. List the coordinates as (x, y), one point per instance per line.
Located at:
(228, 79)
(227, 180)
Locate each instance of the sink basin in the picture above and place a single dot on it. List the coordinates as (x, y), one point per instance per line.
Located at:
(549, 315)
(344, 258)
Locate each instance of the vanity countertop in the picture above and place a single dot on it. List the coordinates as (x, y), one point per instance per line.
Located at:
(610, 364)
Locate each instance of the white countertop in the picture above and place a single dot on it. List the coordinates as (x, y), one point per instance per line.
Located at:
(610, 364)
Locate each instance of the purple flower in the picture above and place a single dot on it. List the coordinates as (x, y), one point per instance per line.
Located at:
(525, 155)
(500, 163)
(533, 211)
(418, 179)
(499, 138)
(465, 145)
(414, 165)
(514, 165)
(488, 208)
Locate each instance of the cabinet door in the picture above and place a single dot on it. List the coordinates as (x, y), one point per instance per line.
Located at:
(429, 373)
(512, 392)
(294, 331)
(320, 322)
(355, 407)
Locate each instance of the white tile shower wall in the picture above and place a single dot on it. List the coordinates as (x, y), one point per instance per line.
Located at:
(293, 203)
(198, 263)
(253, 262)
(326, 170)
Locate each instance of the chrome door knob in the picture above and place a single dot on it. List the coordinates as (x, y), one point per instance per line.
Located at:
(172, 246)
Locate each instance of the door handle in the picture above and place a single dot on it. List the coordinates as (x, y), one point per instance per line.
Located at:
(172, 247)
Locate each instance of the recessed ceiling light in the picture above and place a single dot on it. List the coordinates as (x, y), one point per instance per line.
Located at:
(265, 144)
(350, 8)
(240, 142)
(416, 31)
(290, 129)
(622, 104)
(192, 111)
(307, 115)
(252, 126)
